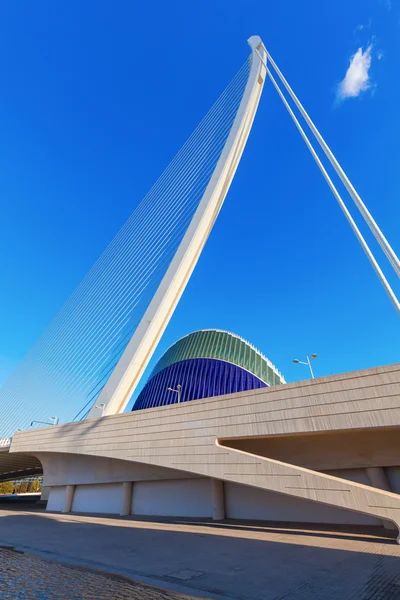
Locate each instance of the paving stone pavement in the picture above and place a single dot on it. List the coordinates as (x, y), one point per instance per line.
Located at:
(229, 560)
(25, 577)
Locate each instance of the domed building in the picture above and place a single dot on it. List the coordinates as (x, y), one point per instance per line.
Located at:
(204, 364)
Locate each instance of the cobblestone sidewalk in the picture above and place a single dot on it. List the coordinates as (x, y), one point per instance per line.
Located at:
(25, 577)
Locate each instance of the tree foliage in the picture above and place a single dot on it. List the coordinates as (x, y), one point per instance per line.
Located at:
(35, 486)
(6, 487)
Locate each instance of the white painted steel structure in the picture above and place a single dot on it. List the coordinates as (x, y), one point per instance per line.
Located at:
(126, 375)
(387, 249)
(92, 356)
(96, 348)
(382, 241)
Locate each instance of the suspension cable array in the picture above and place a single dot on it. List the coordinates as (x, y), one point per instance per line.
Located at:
(68, 367)
(98, 334)
(384, 244)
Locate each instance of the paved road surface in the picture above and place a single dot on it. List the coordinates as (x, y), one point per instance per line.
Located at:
(225, 560)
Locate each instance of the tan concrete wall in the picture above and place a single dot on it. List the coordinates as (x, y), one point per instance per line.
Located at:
(184, 436)
(333, 450)
(173, 498)
(244, 502)
(56, 498)
(73, 469)
(104, 498)
(192, 498)
(393, 475)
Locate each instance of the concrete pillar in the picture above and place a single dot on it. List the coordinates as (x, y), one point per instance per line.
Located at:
(45, 492)
(126, 498)
(378, 479)
(218, 499)
(45, 495)
(68, 498)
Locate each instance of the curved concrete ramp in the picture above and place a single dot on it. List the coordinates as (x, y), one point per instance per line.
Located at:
(189, 437)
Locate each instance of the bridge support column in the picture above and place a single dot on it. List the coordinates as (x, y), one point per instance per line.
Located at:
(126, 498)
(218, 499)
(378, 479)
(44, 495)
(68, 498)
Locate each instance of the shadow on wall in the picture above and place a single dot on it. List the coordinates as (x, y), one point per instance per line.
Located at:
(234, 559)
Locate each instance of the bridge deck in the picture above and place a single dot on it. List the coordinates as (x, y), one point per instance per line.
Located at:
(195, 437)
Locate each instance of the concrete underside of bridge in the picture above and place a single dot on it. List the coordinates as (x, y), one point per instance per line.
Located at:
(318, 451)
(15, 466)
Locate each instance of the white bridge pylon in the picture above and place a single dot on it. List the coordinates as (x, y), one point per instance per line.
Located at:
(128, 371)
(89, 360)
(122, 382)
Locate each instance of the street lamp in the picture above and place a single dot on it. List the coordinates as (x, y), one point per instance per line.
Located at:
(102, 407)
(50, 421)
(177, 391)
(308, 363)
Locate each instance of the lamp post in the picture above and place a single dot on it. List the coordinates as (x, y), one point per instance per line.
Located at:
(102, 407)
(177, 391)
(50, 421)
(308, 363)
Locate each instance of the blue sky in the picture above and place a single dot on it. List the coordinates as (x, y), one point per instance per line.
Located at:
(97, 97)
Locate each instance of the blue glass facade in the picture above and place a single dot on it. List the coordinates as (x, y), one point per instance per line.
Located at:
(207, 363)
(198, 378)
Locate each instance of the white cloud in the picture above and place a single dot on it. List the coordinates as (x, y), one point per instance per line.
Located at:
(364, 25)
(356, 79)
